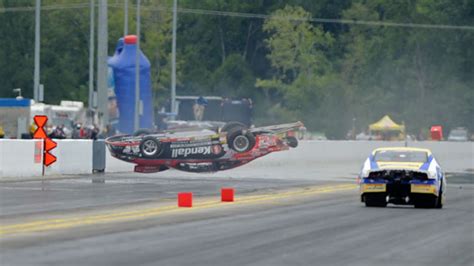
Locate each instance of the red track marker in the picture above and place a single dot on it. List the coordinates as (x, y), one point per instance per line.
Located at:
(185, 199)
(227, 194)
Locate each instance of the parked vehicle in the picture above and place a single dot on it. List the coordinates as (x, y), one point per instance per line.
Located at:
(458, 134)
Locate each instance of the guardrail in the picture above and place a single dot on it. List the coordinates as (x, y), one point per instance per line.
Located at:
(22, 158)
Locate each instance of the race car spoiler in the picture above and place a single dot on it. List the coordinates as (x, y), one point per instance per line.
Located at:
(278, 128)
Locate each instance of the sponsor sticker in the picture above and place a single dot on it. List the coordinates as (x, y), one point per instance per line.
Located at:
(373, 188)
(216, 149)
(184, 152)
(191, 144)
(428, 189)
(131, 150)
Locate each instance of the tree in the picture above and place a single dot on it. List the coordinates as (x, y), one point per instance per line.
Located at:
(298, 57)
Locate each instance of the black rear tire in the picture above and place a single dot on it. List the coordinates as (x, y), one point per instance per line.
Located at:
(150, 147)
(439, 202)
(375, 200)
(426, 203)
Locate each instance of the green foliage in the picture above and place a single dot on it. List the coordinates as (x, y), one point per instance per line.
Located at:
(298, 54)
(418, 76)
(327, 75)
(233, 78)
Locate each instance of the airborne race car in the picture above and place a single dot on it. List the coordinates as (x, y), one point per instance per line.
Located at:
(405, 176)
(201, 150)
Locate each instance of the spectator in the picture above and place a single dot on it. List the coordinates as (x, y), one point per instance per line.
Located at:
(83, 132)
(58, 133)
(94, 132)
(49, 129)
(199, 107)
(76, 132)
(33, 128)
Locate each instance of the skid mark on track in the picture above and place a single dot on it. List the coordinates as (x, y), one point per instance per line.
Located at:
(139, 214)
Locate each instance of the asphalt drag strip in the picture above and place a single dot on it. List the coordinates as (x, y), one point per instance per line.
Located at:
(144, 213)
(286, 223)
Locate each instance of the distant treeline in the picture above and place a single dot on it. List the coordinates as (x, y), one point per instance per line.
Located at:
(334, 75)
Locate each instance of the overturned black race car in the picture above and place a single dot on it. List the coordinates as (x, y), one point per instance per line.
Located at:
(201, 150)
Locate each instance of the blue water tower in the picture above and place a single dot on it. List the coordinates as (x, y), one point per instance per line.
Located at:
(123, 65)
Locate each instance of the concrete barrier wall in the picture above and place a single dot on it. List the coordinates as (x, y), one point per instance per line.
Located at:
(325, 160)
(17, 158)
(312, 159)
(345, 158)
(113, 165)
(73, 157)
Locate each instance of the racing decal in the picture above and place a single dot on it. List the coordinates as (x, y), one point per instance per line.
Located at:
(131, 150)
(195, 148)
(373, 163)
(193, 144)
(373, 188)
(216, 149)
(426, 165)
(425, 189)
(184, 152)
(399, 165)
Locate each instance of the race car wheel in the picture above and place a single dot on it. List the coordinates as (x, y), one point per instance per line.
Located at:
(150, 147)
(292, 142)
(426, 202)
(439, 203)
(240, 141)
(233, 126)
(375, 200)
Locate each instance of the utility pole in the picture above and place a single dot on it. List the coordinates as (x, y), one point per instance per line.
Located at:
(102, 41)
(125, 18)
(137, 72)
(173, 59)
(36, 78)
(91, 55)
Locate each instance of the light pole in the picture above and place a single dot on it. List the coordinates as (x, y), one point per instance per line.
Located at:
(137, 72)
(125, 18)
(102, 39)
(91, 56)
(173, 59)
(36, 78)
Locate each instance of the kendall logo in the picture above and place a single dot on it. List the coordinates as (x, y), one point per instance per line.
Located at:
(184, 152)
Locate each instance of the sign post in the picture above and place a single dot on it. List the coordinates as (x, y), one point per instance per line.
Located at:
(48, 144)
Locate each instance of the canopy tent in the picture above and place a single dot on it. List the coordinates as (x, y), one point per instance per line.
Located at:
(386, 124)
(386, 129)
